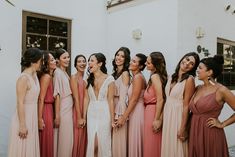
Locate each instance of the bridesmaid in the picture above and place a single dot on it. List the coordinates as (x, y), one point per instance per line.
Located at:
(78, 89)
(63, 136)
(154, 98)
(207, 137)
(135, 109)
(23, 139)
(179, 90)
(122, 78)
(45, 105)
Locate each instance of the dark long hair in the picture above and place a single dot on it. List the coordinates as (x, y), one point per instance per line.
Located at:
(31, 55)
(215, 64)
(127, 59)
(159, 63)
(192, 72)
(45, 64)
(142, 60)
(100, 59)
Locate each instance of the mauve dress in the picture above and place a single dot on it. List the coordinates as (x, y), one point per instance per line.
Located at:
(205, 141)
(28, 147)
(46, 135)
(136, 126)
(63, 136)
(152, 141)
(79, 134)
(119, 139)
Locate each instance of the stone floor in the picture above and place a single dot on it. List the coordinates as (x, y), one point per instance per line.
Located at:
(232, 151)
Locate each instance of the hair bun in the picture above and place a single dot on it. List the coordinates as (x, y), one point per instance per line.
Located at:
(219, 59)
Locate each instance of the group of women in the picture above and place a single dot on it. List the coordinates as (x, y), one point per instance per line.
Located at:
(121, 114)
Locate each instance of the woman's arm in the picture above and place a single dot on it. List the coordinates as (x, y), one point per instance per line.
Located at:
(157, 84)
(189, 90)
(225, 95)
(111, 88)
(86, 103)
(74, 89)
(136, 91)
(21, 89)
(44, 83)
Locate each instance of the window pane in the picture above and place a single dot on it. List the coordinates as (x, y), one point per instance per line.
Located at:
(58, 28)
(36, 41)
(55, 43)
(36, 25)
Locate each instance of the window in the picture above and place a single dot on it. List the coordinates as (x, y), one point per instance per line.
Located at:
(46, 32)
(227, 49)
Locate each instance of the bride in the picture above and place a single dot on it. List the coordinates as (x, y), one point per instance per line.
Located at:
(100, 111)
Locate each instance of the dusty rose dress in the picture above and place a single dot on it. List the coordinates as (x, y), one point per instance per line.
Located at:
(172, 117)
(152, 141)
(46, 135)
(80, 134)
(136, 127)
(28, 147)
(119, 139)
(205, 141)
(63, 136)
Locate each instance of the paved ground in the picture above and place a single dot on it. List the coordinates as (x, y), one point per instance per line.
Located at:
(232, 151)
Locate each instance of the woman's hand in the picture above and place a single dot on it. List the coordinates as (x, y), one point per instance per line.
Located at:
(41, 124)
(157, 125)
(120, 121)
(57, 122)
(23, 132)
(81, 123)
(182, 135)
(213, 122)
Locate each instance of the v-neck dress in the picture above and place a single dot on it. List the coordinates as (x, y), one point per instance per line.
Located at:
(205, 141)
(99, 121)
(172, 117)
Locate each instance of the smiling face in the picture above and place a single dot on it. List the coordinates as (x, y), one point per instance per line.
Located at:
(120, 58)
(64, 60)
(81, 64)
(93, 64)
(203, 72)
(52, 62)
(187, 64)
(134, 64)
(149, 64)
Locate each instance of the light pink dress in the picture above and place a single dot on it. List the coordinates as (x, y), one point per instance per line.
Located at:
(28, 147)
(46, 136)
(63, 136)
(172, 117)
(119, 140)
(136, 127)
(80, 134)
(152, 141)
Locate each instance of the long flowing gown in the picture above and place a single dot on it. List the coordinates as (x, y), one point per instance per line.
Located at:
(28, 147)
(63, 136)
(172, 117)
(136, 126)
(119, 139)
(46, 136)
(152, 141)
(80, 134)
(205, 141)
(99, 121)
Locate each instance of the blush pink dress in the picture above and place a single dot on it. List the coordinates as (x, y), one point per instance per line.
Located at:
(28, 147)
(152, 141)
(47, 134)
(63, 136)
(172, 117)
(80, 134)
(119, 139)
(136, 126)
(205, 141)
